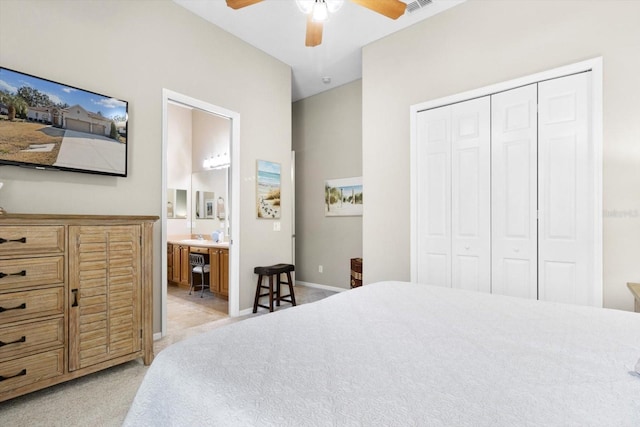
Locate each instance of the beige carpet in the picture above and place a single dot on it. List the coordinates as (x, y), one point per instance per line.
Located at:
(103, 398)
(100, 399)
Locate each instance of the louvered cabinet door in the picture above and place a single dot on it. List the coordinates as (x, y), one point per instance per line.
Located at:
(105, 312)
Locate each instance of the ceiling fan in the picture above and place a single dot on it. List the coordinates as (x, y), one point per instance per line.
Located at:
(317, 12)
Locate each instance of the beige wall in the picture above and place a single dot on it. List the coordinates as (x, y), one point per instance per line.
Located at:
(132, 50)
(327, 139)
(480, 43)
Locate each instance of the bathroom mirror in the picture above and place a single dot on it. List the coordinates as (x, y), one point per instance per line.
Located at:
(208, 188)
(204, 205)
(176, 203)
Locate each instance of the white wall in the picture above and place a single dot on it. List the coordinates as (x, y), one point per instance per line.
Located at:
(211, 136)
(480, 43)
(194, 135)
(327, 139)
(132, 50)
(179, 149)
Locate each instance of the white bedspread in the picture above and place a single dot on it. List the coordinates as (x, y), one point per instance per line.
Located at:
(400, 354)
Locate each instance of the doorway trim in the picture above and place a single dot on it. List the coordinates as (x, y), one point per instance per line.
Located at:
(595, 66)
(234, 199)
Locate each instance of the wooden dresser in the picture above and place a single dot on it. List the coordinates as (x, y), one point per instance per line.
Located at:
(75, 297)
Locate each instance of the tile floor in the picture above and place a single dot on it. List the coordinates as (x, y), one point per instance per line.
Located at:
(189, 314)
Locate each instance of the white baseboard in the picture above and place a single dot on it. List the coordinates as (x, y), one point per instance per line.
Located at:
(245, 312)
(319, 286)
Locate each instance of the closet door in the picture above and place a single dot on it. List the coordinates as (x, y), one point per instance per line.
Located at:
(566, 191)
(471, 195)
(514, 148)
(433, 178)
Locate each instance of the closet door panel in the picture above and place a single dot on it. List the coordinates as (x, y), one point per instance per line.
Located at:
(566, 191)
(514, 192)
(471, 195)
(434, 199)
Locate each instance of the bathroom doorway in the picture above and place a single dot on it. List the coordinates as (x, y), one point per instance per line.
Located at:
(200, 178)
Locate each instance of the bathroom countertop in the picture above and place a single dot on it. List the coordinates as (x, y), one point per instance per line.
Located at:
(205, 243)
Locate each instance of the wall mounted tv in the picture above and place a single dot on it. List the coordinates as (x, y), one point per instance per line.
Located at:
(50, 125)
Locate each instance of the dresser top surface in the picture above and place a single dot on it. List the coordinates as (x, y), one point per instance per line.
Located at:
(17, 218)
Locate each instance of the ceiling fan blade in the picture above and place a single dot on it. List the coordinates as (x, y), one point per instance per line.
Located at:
(314, 32)
(239, 4)
(390, 8)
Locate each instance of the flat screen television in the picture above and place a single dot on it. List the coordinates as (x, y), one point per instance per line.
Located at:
(50, 125)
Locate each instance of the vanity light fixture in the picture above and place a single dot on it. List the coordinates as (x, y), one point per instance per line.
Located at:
(219, 161)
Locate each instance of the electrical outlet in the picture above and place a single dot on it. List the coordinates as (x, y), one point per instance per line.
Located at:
(320, 268)
(276, 226)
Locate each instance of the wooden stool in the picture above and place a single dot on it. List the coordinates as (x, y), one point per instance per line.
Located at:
(274, 270)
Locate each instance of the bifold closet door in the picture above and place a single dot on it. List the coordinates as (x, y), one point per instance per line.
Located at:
(433, 178)
(453, 224)
(471, 195)
(566, 191)
(514, 147)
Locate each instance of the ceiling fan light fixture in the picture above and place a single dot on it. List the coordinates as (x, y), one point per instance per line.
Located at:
(319, 9)
(305, 6)
(334, 5)
(320, 12)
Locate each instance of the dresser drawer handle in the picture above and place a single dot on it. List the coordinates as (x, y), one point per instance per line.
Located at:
(19, 374)
(23, 339)
(18, 307)
(19, 273)
(20, 240)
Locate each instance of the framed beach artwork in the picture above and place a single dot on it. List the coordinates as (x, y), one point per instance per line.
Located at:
(343, 197)
(268, 190)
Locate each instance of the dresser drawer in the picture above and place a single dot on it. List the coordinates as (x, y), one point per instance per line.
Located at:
(21, 273)
(29, 305)
(36, 239)
(35, 336)
(31, 369)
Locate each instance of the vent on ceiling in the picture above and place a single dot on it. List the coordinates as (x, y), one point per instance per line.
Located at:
(416, 5)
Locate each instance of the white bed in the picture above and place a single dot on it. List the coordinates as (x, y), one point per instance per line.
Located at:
(401, 354)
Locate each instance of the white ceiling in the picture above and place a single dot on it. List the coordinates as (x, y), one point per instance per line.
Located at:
(277, 27)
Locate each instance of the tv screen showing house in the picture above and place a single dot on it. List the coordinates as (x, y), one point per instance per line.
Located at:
(50, 125)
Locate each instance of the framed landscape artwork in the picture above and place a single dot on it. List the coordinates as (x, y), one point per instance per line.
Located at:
(268, 190)
(343, 197)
